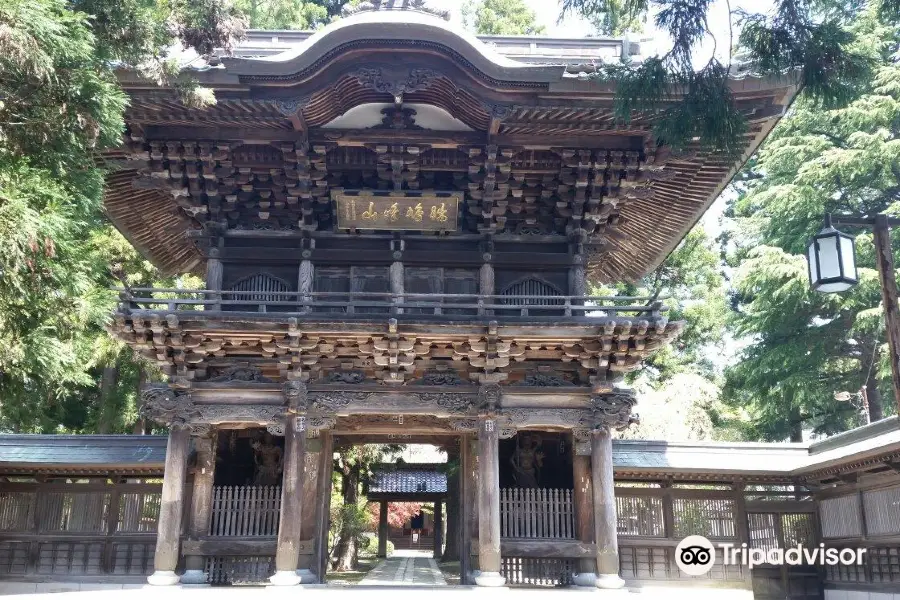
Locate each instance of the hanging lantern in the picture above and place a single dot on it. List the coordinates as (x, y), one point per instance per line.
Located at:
(831, 256)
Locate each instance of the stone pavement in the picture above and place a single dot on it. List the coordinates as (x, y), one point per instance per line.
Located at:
(405, 570)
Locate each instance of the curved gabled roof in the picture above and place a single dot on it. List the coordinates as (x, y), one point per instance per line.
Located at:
(398, 27)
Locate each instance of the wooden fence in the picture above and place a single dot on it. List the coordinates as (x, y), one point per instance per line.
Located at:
(80, 527)
(536, 513)
(245, 510)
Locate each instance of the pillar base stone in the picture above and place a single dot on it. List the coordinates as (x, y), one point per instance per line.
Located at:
(163, 578)
(490, 579)
(585, 580)
(307, 576)
(194, 577)
(285, 578)
(610, 582)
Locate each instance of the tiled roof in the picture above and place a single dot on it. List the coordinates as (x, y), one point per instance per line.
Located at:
(414, 479)
(83, 450)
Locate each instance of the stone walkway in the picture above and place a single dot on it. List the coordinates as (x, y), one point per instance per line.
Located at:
(401, 570)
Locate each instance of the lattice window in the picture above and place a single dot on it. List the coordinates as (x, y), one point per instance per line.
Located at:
(763, 531)
(709, 517)
(798, 528)
(539, 572)
(240, 570)
(15, 508)
(532, 289)
(840, 517)
(138, 512)
(640, 515)
(882, 511)
(267, 287)
(73, 511)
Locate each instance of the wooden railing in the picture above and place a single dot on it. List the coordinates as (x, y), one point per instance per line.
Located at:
(536, 513)
(366, 303)
(245, 510)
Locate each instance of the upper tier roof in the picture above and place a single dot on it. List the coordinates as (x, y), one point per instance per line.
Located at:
(518, 122)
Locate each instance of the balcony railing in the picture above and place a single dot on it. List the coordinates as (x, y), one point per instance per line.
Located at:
(363, 304)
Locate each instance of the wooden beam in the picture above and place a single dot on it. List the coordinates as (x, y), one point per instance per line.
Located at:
(548, 548)
(382, 529)
(218, 546)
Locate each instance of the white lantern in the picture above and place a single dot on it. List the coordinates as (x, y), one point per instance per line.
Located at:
(832, 260)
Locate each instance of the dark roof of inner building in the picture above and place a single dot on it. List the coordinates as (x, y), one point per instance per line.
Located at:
(409, 479)
(46, 451)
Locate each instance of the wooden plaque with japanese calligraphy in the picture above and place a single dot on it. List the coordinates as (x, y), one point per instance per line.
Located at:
(401, 211)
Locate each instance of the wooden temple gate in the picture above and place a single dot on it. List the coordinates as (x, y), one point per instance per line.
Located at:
(397, 222)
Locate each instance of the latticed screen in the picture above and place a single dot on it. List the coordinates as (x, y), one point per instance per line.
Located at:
(640, 515)
(882, 511)
(138, 512)
(709, 517)
(15, 508)
(840, 517)
(73, 511)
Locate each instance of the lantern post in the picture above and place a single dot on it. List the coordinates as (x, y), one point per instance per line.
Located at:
(832, 268)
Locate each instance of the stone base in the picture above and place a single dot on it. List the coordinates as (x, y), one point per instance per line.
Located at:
(163, 578)
(285, 578)
(307, 576)
(588, 580)
(490, 579)
(610, 582)
(194, 577)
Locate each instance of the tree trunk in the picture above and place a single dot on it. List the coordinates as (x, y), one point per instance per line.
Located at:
(140, 426)
(876, 409)
(451, 548)
(346, 551)
(108, 400)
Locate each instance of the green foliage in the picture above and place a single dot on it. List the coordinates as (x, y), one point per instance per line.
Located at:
(814, 39)
(616, 18)
(804, 347)
(60, 105)
(286, 14)
(500, 17)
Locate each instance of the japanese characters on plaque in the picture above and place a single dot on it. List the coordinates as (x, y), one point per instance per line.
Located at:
(410, 211)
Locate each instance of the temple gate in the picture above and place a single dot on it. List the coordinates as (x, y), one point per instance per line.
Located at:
(396, 223)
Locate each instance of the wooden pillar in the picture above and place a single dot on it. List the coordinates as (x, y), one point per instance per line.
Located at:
(201, 504)
(884, 258)
(583, 499)
(397, 284)
(214, 272)
(605, 510)
(438, 529)
(287, 549)
(305, 284)
(171, 508)
(382, 529)
(486, 285)
(323, 503)
(466, 508)
(489, 505)
(306, 568)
